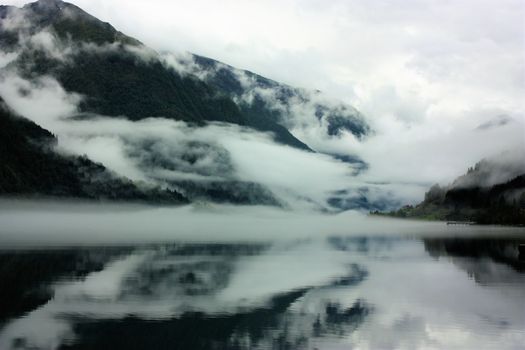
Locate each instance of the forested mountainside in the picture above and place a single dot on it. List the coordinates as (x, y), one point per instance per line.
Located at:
(122, 77)
(30, 167)
(111, 76)
(479, 196)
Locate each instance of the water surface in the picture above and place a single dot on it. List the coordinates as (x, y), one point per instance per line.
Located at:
(447, 288)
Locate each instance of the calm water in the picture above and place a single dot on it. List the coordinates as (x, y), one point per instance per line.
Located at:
(334, 292)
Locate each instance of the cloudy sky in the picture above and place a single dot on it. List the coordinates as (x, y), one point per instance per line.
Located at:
(418, 57)
(425, 73)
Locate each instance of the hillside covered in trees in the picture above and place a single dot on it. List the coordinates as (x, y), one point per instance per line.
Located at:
(30, 167)
(105, 76)
(119, 76)
(474, 197)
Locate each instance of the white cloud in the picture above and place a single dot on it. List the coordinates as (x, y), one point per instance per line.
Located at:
(43, 100)
(6, 58)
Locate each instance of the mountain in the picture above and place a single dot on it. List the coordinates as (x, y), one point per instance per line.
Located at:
(259, 97)
(125, 78)
(113, 76)
(491, 192)
(30, 167)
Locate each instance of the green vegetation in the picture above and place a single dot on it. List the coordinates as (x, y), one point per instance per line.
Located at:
(338, 118)
(501, 204)
(30, 167)
(116, 82)
(71, 22)
(83, 28)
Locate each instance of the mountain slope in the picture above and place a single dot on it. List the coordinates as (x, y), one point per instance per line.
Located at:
(115, 78)
(209, 111)
(122, 77)
(30, 167)
(258, 97)
(492, 192)
(67, 20)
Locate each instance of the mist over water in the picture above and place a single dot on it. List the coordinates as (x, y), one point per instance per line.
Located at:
(44, 223)
(233, 277)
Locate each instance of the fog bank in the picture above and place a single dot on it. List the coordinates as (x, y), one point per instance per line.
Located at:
(46, 224)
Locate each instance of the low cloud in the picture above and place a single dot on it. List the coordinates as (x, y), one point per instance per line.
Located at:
(160, 151)
(500, 120)
(42, 100)
(423, 155)
(403, 162)
(493, 170)
(423, 132)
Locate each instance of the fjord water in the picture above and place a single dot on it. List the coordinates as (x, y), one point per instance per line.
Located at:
(82, 277)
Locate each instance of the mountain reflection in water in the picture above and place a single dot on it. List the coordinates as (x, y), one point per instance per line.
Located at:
(339, 292)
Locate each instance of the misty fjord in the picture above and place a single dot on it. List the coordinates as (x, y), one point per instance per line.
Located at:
(296, 174)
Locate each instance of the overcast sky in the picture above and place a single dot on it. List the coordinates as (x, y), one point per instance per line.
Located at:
(425, 73)
(416, 54)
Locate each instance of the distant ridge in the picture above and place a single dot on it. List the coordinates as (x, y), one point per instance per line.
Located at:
(473, 197)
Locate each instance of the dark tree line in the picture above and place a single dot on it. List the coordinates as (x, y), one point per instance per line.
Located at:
(30, 167)
(501, 204)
